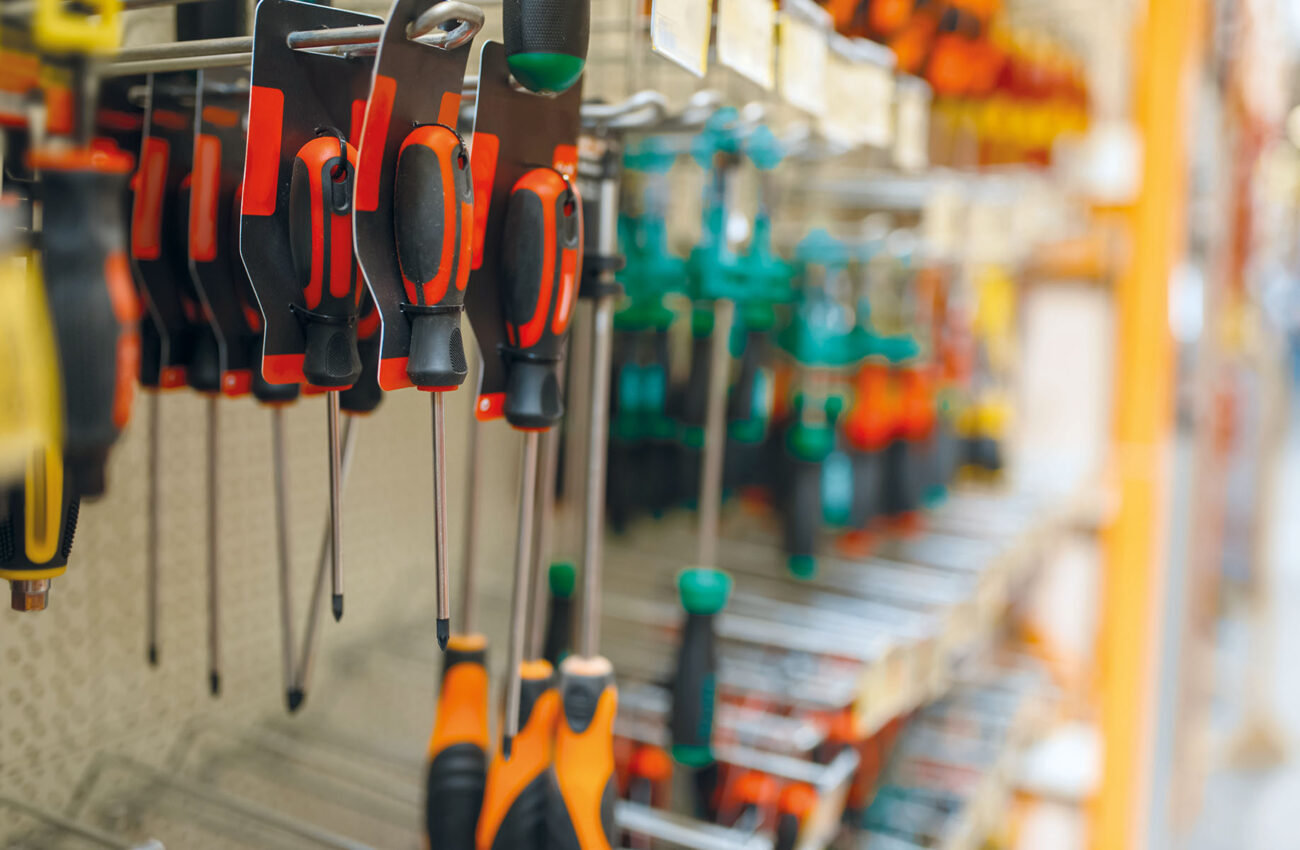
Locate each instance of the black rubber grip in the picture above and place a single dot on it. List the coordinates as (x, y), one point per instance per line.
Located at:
(559, 629)
(561, 27)
(320, 196)
(87, 279)
(454, 793)
(803, 512)
(524, 824)
(694, 687)
(787, 832)
(364, 395)
(427, 215)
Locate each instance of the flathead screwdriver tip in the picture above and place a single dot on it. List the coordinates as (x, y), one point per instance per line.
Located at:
(214, 683)
(153, 656)
(444, 633)
(337, 604)
(294, 698)
(507, 744)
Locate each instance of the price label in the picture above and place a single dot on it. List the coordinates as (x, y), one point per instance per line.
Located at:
(804, 58)
(912, 126)
(747, 39)
(679, 31)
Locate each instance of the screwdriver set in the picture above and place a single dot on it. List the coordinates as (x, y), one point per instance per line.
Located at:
(732, 576)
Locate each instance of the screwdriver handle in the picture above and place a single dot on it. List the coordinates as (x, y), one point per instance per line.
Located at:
(433, 214)
(559, 620)
(93, 303)
(458, 746)
(514, 805)
(320, 216)
(542, 263)
(546, 42)
(796, 802)
(203, 369)
(583, 788)
(704, 593)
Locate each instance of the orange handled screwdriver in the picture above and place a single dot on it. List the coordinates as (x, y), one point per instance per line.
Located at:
(432, 220)
(583, 784)
(320, 220)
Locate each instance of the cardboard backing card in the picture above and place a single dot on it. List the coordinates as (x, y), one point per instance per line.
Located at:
(158, 238)
(295, 95)
(515, 131)
(220, 110)
(414, 84)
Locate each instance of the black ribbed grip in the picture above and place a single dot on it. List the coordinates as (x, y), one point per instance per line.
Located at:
(454, 793)
(536, 28)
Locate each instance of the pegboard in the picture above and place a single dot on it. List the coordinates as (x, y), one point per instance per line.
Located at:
(74, 680)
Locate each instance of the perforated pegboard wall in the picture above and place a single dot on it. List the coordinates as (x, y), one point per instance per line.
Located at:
(74, 679)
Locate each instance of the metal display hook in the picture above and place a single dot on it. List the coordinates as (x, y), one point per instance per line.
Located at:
(428, 28)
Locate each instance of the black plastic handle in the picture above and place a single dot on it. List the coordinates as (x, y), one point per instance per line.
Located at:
(541, 266)
(546, 41)
(93, 304)
(366, 394)
(433, 218)
(457, 750)
(320, 221)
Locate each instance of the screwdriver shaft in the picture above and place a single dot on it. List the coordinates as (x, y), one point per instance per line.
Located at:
(470, 532)
(593, 527)
(520, 598)
(151, 544)
(440, 520)
(282, 550)
(311, 633)
(715, 423)
(550, 457)
(336, 511)
(214, 601)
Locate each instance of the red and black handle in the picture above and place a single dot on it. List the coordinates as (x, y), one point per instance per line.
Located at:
(542, 261)
(366, 394)
(263, 390)
(433, 216)
(93, 303)
(320, 216)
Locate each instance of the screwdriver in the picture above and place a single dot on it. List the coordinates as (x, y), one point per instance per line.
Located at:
(583, 780)
(356, 401)
(320, 200)
(541, 263)
(458, 746)
(560, 579)
(434, 186)
(546, 42)
(703, 589)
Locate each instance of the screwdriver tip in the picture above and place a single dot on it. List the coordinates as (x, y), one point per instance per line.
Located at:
(338, 607)
(507, 743)
(294, 697)
(214, 683)
(444, 633)
(153, 656)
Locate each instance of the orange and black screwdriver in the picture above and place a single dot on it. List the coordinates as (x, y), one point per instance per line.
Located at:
(320, 221)
(432, 219)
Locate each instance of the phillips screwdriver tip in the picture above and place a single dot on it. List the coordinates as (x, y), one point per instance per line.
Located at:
(507, 743)
(294, 697)
(337, 603)
(214, 683)
(153, 656)
(444, 633)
